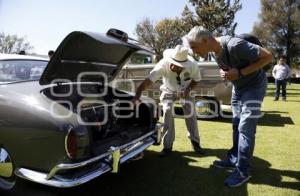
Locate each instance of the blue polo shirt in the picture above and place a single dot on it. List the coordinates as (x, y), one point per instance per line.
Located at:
(241, 54)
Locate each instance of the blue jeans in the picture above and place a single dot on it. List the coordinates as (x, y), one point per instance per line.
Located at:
(246, 104)
(279, 83)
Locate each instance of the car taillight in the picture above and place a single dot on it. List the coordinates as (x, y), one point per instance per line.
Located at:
(71, 144)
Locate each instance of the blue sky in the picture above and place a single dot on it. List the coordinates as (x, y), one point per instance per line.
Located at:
(46, 23)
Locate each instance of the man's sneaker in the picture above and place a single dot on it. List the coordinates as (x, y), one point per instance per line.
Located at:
(197, 148)
(165, 152)
(236, 179)
(223, 164)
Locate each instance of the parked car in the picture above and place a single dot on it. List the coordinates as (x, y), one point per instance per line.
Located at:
(212, 93)
(63, 130)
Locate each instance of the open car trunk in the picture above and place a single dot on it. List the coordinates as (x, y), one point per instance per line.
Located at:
(109, 119)
(90, 59)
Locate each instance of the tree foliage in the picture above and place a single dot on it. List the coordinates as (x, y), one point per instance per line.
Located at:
(215, 15)
(158, 36)
(13, 44)
(279, 28)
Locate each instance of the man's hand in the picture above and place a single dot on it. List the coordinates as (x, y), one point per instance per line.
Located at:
(145, 84)
(231, 74)
(185, 93)
(135, 100)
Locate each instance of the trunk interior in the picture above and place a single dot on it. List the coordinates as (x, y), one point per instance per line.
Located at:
(109, 119)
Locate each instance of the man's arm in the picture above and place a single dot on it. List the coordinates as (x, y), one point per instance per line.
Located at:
(192, 85)
(144, 85)
(154, 75)
(289, 72)
(188, 89)
(264, 58)
(274, 72)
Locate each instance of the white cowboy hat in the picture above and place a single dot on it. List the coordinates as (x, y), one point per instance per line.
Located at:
(177, 56)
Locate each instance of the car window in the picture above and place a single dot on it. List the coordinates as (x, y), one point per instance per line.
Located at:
(138, 59)
(21, 70)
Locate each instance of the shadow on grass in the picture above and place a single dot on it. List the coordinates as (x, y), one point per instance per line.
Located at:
(270, 118)
(289, 94)
(274, 119)
(174, 175)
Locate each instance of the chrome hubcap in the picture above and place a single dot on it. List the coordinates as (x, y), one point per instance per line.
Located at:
(7, 179)
(204, 108)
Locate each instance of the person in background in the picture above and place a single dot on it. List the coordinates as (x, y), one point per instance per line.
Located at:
(281, 72)
(241, 62)
(179, 75)
(50, 54)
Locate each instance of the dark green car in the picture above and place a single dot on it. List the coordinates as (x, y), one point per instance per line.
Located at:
(61, 122)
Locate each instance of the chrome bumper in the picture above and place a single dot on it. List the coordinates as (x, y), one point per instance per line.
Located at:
(108, 161)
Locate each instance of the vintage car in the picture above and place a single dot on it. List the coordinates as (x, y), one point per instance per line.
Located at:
(69, 125)
(212, 93)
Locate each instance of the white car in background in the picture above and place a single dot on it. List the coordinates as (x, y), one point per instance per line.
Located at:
(212, 93)
(15, 67)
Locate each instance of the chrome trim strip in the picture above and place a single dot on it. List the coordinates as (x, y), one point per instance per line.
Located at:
(88, 62)
(66, 140)
(75, 165)
(137, 150)
(133, 148)
(41, 178)
(138, 66)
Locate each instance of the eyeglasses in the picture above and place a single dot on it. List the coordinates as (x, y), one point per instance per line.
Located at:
(178, 80)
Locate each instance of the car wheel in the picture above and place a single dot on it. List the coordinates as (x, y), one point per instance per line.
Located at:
(7, 176)
(207, 108)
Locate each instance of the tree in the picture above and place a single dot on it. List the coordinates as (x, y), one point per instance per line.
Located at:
(215, 15)
(158, 36)
(279, 28)
(187, 19)
(13, 44)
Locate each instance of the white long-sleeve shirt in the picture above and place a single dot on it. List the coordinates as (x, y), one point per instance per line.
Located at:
(281, 72)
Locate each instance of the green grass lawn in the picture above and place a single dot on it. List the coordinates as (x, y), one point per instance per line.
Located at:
(275, 165)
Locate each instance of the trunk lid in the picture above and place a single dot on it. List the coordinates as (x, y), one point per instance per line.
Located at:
(87, 52)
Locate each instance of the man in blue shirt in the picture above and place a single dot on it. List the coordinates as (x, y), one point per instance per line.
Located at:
(241, 62)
